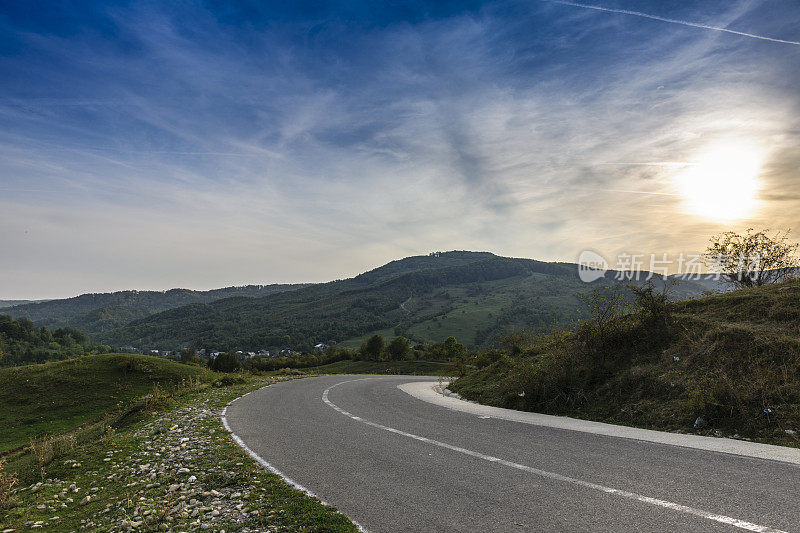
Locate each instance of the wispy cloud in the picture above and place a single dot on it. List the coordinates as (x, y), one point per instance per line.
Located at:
(203, 153)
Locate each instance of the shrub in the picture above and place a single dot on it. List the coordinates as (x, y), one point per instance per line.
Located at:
(652, 303)
(290, 372)
(224, 362)
(484, 359)
(227, 381)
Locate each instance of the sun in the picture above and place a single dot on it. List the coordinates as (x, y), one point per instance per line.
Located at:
(723, 183)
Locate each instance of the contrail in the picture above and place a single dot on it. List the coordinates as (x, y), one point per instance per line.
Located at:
(633, 192)
(671, 21)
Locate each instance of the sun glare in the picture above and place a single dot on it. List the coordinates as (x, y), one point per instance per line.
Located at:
(723, 183)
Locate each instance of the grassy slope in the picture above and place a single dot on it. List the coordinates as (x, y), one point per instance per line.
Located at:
(725, 358)
(356, 342)
(55, 397)
(478, 314)
(107, 464)
(536, 301)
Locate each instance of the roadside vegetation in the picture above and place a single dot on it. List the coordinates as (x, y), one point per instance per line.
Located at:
(59, 397)
(727, 364)
(115, 442)
(121, 441)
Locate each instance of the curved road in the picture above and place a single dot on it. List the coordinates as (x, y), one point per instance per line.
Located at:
(392, 462)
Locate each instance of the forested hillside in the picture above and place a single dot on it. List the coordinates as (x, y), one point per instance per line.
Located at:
(98, 312)
(22, 342)
(475, 296)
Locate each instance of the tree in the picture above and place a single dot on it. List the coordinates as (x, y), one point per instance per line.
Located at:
(373, 347)
(187, 355)
(224, 362)
(398, 348)
(456, 353)
(454, 349)
(753, 258)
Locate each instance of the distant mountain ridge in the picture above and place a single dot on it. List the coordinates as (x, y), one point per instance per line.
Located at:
(11, 303)
(475, 296)
(97, 312)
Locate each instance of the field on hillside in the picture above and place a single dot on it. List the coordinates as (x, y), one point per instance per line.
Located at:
(727, 364)
(478, 314)
(51, 398)
(150, 461)
(356, 342)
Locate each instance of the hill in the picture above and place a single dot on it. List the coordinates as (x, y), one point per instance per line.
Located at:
(94, 313)
(475, 296)
(728, 363)
(11, 303)
(22, 342)
(54, 397)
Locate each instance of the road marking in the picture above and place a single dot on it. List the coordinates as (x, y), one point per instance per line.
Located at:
(266, 465)
(742, 524)
(426, 392)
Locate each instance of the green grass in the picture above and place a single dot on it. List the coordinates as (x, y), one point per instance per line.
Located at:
(477, 316)
(104, 461)
(356, 342)
(52, 398)
(732, 360)
(496, 307)
(415, 368)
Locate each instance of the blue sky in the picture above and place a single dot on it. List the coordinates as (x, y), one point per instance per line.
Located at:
(190, 144)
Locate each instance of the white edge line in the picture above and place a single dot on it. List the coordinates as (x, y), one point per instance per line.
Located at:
(267, 466)
(742, 524)
(733, 447)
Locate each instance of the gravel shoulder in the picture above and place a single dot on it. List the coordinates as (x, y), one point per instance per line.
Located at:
(177, 469)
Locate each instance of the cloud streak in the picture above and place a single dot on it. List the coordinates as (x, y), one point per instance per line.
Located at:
(204, 154)
(672, 21)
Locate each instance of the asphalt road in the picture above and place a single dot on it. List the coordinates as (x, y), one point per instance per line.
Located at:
(392, 462)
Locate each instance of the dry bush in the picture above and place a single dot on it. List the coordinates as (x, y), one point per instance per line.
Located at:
(49, 448)
(7, 482)
(42, 451)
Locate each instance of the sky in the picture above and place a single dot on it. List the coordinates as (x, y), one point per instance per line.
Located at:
(151, 145)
